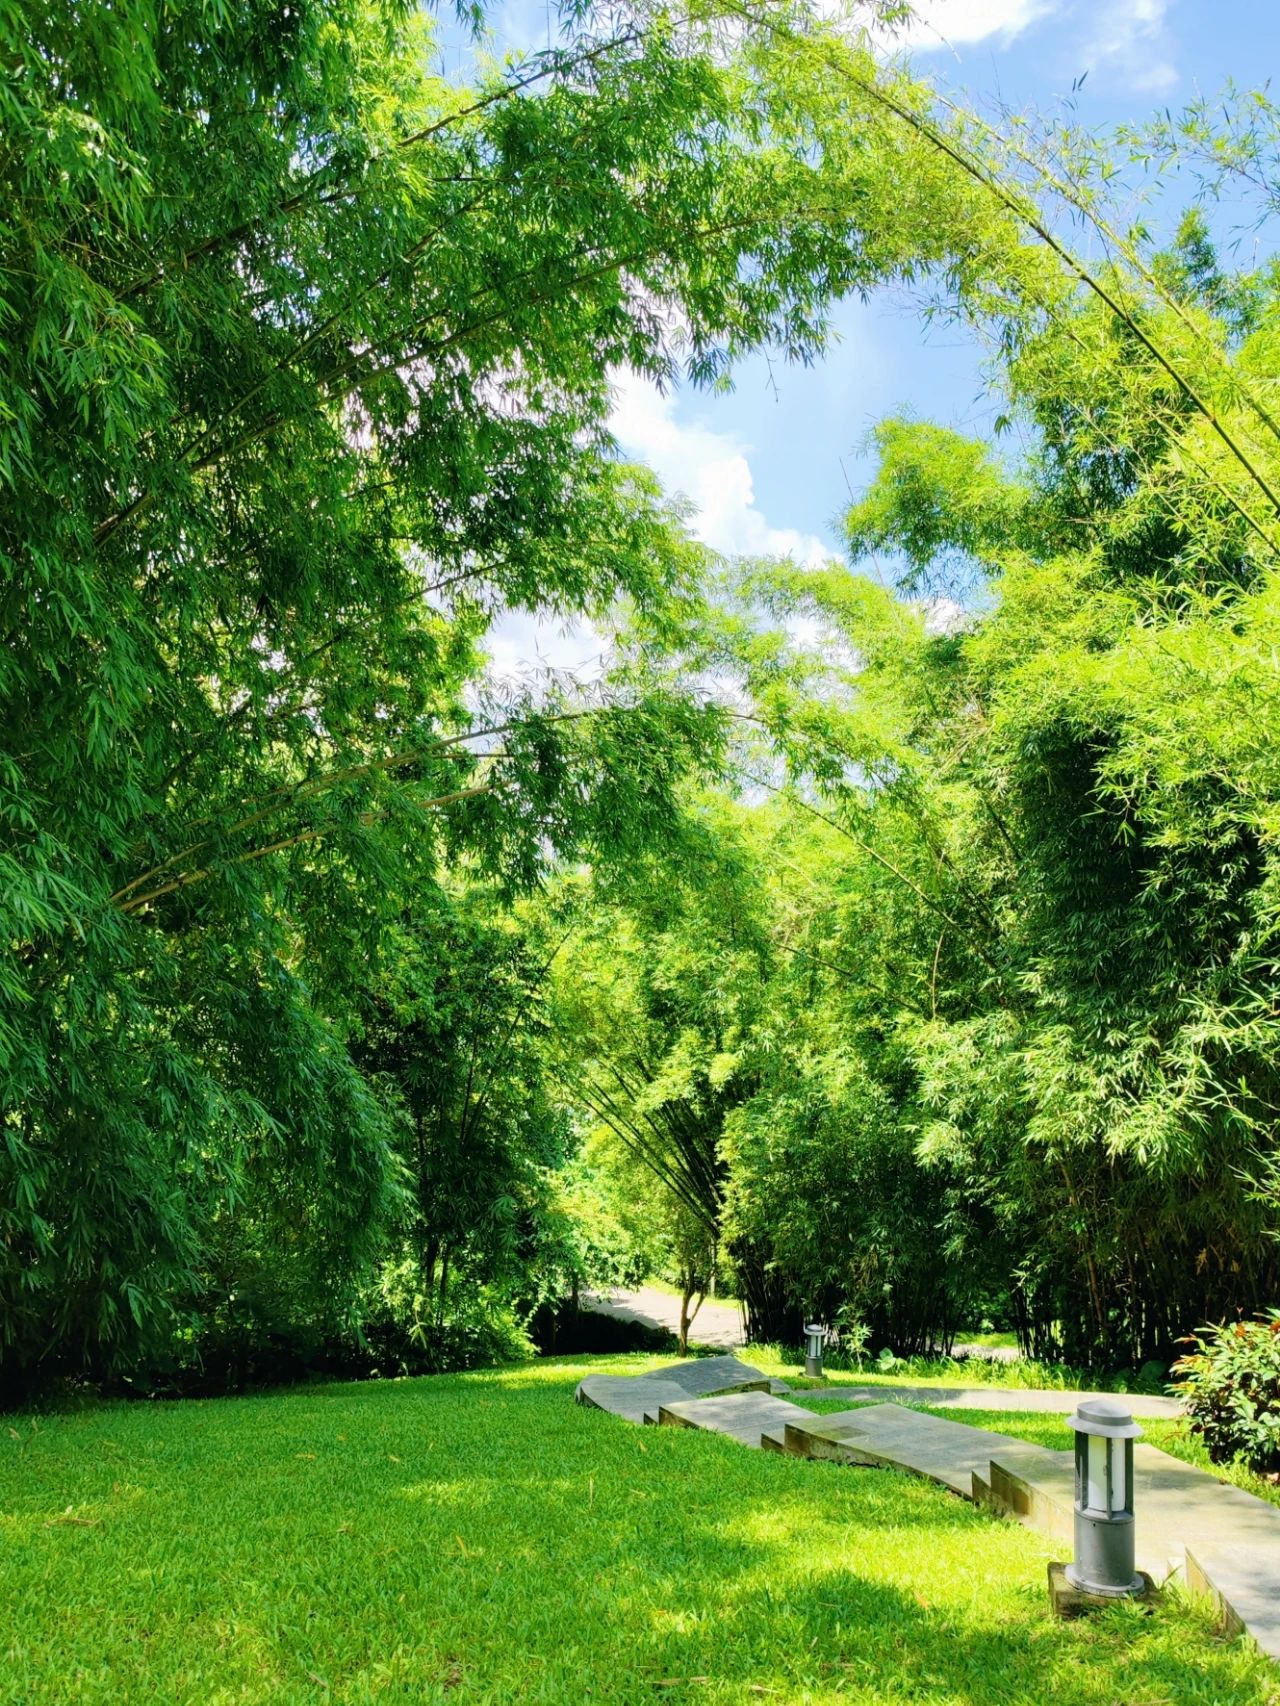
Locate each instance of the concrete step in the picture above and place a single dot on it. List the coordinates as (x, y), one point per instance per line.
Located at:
(890, 1436)
(638, 1398)
(744, 1416)
(633, 1397)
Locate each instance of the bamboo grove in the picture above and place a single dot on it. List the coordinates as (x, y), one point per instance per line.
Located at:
(349, 996)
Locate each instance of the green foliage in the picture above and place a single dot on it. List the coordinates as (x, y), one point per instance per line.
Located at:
(1232, 1385)
(963, 1003)
(657, 984)
(304, 362)
(941, 501)
(1043, 930)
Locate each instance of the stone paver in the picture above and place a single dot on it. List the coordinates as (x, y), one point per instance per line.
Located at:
(638, 1397)
(744, 1416)
(706, 1377)
(991, 1398)
(1245, 1583)
(886, 1434)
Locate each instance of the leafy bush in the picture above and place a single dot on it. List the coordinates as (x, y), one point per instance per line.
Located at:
(404, 1331)
(1231, 1387)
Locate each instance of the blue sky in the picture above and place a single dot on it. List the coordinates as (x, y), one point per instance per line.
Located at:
(767, 464)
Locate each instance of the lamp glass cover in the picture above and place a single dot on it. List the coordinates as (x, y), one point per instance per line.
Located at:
(1097, 1494)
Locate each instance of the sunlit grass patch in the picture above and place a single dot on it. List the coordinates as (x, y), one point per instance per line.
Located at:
(481, 1538)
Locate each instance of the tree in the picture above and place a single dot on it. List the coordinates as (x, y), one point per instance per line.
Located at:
(305, 362)
(451, 1033)
(1065, 787)
(652, 998)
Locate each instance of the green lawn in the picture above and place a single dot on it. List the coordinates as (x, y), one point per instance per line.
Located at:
(479, 1538)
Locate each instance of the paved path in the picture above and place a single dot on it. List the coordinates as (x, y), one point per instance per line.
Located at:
(1043, 1402)
(717, 1324)
(1222, 1540)
(752, 1418)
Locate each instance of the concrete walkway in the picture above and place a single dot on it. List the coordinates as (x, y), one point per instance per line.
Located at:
(1043, 1402)
(1218, 1538)
(715, 1324)
(752, 1418)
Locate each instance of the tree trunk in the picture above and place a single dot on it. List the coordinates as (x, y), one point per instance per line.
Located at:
(690, 1287)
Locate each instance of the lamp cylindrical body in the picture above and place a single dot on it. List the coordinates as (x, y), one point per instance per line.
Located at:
(813, 1337)
(1105, 1561)
(1104, 1529)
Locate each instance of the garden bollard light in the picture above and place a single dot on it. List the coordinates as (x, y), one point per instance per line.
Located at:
(814, 1333)
(1104, 1561)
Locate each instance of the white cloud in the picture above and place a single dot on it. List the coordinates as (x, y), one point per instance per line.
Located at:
(709, 468)
(1129, 40)
(954, 23)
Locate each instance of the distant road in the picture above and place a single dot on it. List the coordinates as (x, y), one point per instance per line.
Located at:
(718, 1324)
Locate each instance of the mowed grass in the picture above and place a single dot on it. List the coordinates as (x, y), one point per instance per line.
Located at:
(480, 1538)
(787, 1364)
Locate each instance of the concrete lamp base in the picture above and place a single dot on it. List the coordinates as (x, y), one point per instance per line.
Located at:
(1067, 1600)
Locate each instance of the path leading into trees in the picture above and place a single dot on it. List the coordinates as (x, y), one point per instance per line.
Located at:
(715, 1324)
(719, 1325)
(1218, 1538)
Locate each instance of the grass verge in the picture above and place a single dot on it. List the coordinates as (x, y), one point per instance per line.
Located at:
(478, 1538)
(787, 1363)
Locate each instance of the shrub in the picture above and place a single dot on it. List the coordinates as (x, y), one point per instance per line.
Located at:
(405, 1332)
(1231, 1387)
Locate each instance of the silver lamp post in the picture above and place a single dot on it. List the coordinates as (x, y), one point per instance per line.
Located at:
(814, 1334)
(1104, 1563)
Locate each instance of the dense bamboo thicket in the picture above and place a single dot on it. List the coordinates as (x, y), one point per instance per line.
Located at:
(354, 1004)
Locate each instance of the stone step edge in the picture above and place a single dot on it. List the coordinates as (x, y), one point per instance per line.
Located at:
(585, 1395)
(683, 1414)
(838, 1444)
(654, 1418)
